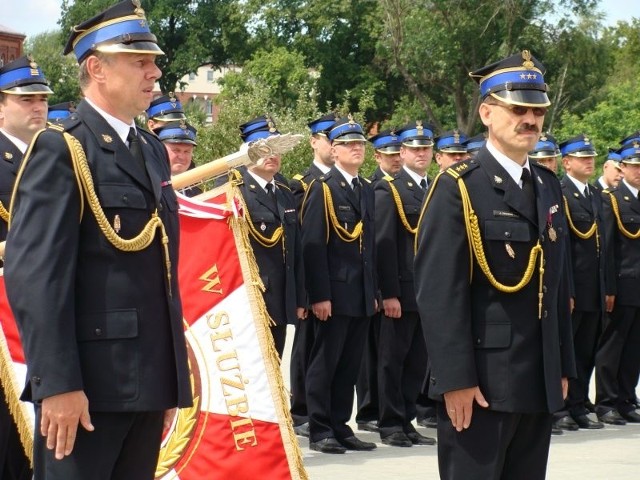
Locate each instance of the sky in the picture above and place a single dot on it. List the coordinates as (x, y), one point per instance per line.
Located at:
(31, 17)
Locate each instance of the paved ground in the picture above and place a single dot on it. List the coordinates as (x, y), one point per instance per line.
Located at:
(608, 454)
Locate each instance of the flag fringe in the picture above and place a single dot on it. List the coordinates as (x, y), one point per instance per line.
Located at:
(255, 287)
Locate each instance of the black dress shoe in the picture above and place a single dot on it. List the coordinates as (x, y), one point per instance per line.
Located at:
(418, 439)
(555, 430)
(397, 439)
(327, 445)
(631, 416)
(590, 406)
(371, 426)
(585, 422)
(429, 422)
(302, 430)
(612, 418)
(354, 443)
(566, 423)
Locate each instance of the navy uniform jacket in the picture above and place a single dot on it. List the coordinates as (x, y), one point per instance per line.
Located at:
(281, 270)
(300, 183)
(477, 335)
(587, 258)
(10, 158)
(394, 243)
(93, 317)
(623, 253)
(336, 270)
(377, 175)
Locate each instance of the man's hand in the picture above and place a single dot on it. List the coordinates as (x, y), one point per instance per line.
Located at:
(301, 313)
(60, 417)
(459, 404)
(322, 310)
(609, 301)
(565, 387)
(572, 303)
(392, 308)
(168, 419)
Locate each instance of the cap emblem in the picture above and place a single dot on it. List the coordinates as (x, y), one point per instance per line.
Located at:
(526, 56)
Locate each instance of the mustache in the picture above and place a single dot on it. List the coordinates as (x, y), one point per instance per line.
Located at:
(527, 127)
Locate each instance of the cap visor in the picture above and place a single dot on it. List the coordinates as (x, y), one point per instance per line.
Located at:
(526, 98)
(133, 47)
(168, 117)
(543, 154)
(418, 142)
(390, 150)
(583, 153)
(453, 150)
(33, 89)
(178, 140)
(350, 137)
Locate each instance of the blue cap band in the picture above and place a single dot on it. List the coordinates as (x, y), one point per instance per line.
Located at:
(320, 127)
(110, 32)
(58, 114)
(18, 74)
(451, 142)
(630, 152)
(344, 129)
(614, 156)
(176, 133)
(164, 108)
(576, 147)
(388, 141)
(413, 133)
(531, 77)
(258, 135)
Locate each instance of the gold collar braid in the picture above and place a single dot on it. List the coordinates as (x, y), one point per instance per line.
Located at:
(330, 214)
(616, 212)
(86, 188)
(475, 242)
(403, 216)
(584, 236)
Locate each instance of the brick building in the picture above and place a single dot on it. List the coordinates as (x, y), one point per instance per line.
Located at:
(10, 44)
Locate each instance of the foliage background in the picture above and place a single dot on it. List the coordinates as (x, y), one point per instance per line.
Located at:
(385, 61)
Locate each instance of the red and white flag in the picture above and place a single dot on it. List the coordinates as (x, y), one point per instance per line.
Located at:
(239, 426)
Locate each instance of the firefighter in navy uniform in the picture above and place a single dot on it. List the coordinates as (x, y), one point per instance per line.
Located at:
(23, 111)
(583, 208)
(179, 138)
(303, 338)
(104, 342)
(164, 109)
(386, 146)
(338, 236)
(618, 356)
(546, 152)
(450, 148)
(493, 290)
(274, 233)
(402, 350)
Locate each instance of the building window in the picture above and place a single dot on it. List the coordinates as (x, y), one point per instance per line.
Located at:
(209, 107)
(192, 77)
(210, 76)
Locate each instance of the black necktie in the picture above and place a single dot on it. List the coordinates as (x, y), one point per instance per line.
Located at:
(134, 147)
(272, 195)
(527, 186)
(356, 187)
(423, 184)
(586, 191)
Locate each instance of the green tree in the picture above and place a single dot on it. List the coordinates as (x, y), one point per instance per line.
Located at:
(190, 32)
(61, 71)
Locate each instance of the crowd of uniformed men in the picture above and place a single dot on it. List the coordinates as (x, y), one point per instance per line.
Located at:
(336, 255)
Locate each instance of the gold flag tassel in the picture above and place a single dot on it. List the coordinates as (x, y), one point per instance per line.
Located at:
(17, 409)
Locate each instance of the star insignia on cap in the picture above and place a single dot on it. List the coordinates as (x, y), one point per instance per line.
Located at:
(635, 144)
(456, 136)
(183, 124)
(523, 76)
(543, 138)
(497, 179)
(351, 120)
(419, 127)
(586, 140)
(107, 138)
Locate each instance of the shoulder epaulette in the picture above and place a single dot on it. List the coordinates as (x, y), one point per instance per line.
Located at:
(297, 176)
(462, 168)
(367, 180)
(388, 178)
